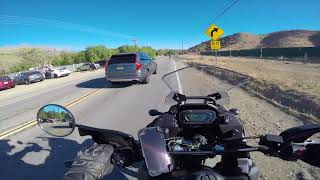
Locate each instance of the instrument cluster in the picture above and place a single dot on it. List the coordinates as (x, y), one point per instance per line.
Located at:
(197, 116)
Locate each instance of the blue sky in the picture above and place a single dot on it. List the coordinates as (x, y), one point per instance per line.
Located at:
(161, 23)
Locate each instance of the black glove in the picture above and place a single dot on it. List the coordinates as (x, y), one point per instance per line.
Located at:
(167, 123)
(91, 163)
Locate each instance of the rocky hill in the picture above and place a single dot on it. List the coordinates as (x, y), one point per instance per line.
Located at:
(292, 38)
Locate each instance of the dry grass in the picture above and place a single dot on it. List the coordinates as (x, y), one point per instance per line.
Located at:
(290, 84)
(304, 78)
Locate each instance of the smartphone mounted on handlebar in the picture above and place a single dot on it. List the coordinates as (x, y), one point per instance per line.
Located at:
(154, 151)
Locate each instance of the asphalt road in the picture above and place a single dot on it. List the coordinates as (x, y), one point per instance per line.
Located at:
(21, 104)
(32, 154)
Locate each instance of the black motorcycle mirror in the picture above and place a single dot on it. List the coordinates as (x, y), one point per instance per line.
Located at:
(56, 120)
(154, 112)
(235, 111)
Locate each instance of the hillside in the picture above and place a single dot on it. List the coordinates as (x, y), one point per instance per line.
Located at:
(293, 38)
(12, 54)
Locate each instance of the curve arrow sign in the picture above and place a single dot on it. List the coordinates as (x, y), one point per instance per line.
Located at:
(214, 30)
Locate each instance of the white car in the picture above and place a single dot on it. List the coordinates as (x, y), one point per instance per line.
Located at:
(59, 72)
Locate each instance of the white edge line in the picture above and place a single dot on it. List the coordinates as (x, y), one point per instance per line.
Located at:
(178, 79)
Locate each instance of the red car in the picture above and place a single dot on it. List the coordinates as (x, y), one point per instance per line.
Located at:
(6, 83)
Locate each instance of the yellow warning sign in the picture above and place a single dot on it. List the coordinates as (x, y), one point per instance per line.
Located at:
(214, 32)
(215, 45)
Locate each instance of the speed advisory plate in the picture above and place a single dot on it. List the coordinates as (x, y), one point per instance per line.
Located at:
(215, 45)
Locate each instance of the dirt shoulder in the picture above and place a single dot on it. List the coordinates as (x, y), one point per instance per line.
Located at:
(262, 117)
(295, 86)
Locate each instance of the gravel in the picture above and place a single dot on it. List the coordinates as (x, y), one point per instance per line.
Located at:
(261, 117)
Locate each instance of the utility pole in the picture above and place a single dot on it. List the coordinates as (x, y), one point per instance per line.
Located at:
(182, 47)
(135, 40)
(216, 56)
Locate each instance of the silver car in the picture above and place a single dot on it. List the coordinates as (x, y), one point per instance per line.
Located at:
(128, 67)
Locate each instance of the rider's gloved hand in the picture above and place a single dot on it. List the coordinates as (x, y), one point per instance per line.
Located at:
(167, 123)
(91, 163)
(311, 155)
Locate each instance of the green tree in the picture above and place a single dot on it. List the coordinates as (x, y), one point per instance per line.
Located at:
(96, 53)
(37, 56)
(149, 50)
(80, 57)
(128, 49)
(42, 115)
(67, 58)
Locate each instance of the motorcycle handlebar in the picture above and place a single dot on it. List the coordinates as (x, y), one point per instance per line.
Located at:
(272, 145)
(305, 151)
(251, 149)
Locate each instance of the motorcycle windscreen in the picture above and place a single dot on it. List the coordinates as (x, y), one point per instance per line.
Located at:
(154, 151)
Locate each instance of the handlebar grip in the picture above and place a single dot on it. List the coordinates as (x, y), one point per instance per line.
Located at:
(123, 157)
(307, 151)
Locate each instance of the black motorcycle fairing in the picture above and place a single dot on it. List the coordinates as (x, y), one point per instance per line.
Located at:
(226, 126)
(231, 126)
(106, 136)
(167, 123)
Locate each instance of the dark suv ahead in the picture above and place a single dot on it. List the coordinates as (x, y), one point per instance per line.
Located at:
(130, 67)
(29, 77)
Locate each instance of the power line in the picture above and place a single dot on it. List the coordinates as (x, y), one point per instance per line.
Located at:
(20, 20)
(225, 9)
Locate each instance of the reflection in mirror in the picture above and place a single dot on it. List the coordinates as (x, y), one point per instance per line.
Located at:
(56, 120)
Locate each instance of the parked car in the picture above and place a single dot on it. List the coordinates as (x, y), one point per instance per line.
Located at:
(6, 83)
(102, 63)
(130, 67)
(59, 72)
(39, 69)
(46, 120)
(29, 77)
(87, 66)
(96, 66)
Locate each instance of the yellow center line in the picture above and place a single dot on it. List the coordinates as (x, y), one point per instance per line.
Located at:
(33, 122)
